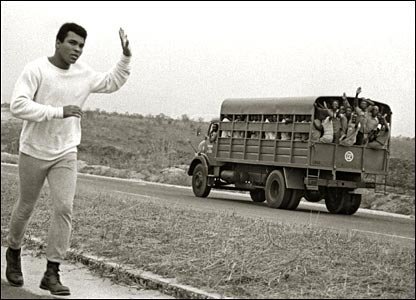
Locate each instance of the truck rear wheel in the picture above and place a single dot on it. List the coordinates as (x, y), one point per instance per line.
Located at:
(276, 191)
(352, 204)
(313, 196)
(200, 181)
(335, 199)
(295, 199)
(258, 195)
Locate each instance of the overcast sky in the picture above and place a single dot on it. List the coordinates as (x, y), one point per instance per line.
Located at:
(190, 56)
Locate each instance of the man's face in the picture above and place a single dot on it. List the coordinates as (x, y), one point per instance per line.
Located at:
(375, 111)
(71, 48)
(380, 118)
(363, 104)
(335, 105)
(348, 112)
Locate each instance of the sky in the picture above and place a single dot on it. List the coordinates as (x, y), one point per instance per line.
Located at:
(190, 56)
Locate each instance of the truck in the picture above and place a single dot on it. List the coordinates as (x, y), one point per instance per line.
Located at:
(256, 149)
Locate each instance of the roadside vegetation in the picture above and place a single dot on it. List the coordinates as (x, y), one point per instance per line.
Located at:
(225, 253)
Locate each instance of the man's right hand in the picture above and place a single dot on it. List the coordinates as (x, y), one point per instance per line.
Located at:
(72, 111)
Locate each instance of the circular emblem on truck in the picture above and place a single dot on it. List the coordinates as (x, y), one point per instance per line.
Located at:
(349, 156)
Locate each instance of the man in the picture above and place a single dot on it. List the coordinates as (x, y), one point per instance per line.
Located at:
(380, 134)
(48, 96)
(226, 133)
(350, 137)
(370, 123)
(214, 133)
(338, 121)
(363, 111)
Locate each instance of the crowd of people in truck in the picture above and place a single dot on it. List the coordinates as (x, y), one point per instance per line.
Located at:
(360, 122)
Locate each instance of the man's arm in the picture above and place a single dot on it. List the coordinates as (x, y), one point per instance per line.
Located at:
(113, 80)
(345, 100)
(23, 105)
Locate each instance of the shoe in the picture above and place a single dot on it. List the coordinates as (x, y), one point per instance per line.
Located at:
(51, 281)
(14, 267)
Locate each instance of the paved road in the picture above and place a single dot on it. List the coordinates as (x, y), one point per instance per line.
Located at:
(386, 227)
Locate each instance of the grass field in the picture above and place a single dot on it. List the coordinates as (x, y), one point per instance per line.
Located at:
(226, 253)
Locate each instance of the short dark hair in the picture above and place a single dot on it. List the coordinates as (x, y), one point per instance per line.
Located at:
(63, 31)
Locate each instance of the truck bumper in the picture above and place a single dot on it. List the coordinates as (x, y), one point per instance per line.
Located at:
(311, 182)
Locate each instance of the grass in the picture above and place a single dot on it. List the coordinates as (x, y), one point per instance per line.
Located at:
(226, 253)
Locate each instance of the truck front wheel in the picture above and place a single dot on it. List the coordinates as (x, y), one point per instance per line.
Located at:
(277, 195)
(257, 195)
(200, 181)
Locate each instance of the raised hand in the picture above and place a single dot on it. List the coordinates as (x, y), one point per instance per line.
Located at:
(124, 42)
(358, 91)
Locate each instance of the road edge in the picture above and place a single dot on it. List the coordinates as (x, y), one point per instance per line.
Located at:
(149, 280)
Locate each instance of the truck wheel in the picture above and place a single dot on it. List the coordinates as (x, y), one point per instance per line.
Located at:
(313, 196)
(295, 199)
(276, 191)
(257, 195)
(200, 181)
(352, 204)
(335, 199)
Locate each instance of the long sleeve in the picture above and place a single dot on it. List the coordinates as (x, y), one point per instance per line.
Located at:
(23, 104)
(113, 80)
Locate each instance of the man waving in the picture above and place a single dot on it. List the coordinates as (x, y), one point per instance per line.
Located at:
(49, 96)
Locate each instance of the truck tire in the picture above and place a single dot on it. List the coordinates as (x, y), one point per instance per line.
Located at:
(200, 181)
(335, 199)
(313, 196)
(258, 195)
(276, 191)
(295, 199)
(352, 204)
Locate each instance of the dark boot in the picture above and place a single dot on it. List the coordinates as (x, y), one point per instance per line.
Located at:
(14, 267)
(51, 282)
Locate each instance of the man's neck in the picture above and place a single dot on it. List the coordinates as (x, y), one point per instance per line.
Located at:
(59, 63)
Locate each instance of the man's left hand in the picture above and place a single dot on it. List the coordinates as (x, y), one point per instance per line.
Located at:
(124, 43)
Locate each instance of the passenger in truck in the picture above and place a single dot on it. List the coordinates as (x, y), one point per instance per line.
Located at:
(316, 131)
(286, 136)
(350, 137)
(370, 123)
(379, 137)
(213, 134)
(362, 110)
(226, 133)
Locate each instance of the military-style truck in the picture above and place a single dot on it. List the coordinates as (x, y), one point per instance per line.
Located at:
(255, 149)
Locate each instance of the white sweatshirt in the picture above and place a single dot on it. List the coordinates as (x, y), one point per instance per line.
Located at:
(41, 92)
